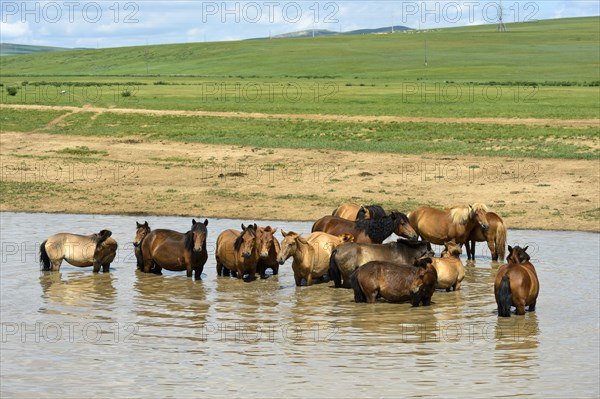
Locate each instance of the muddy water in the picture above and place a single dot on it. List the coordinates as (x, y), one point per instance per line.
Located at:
(124, 333)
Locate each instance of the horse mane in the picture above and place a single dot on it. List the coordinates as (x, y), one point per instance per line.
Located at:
(239, 241)
(478, 206)
(411, 243)
(378, 229)
(189, 236)
(375, 211)
(460, 214)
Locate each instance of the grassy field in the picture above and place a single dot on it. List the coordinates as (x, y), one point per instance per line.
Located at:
(533, 70)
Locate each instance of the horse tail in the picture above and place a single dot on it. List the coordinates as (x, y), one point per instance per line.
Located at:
(359, 295)
(504, 297)
(44, 258)
(334, 270)
(500, 240)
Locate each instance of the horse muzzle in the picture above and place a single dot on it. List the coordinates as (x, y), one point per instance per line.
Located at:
(246, 254)
(197, 249)
(485, 227)
(264, 255)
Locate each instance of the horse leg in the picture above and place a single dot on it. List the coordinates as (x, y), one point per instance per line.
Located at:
(520, 307)
(275, 269)
(298, 279)
(157, 270)
(492, 246)
(197, 273)
(470, 250)
(309, 280)
(372, 296)
(106, 268)
(96, 266)
(531, 307)
(219, 268)
(188, 271)
(56, 265)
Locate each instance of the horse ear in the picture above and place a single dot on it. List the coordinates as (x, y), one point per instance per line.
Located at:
(193, 222)
(138, 225)
(255, 227)
(206, 222)
(301, 239)
(243, 227)
(145, 224)
(525, 249)
(509, 249)
(274, 230)
(283, 233)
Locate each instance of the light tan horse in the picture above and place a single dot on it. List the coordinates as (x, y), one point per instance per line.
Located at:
(311, 254)
(268, 250)
(97, 250)
(516, 283)
(495, 236)
(449, 267)
(440, 226)
(352, 211)
(237, 253)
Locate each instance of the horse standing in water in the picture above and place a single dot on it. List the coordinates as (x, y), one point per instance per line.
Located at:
(97, 250)
(370, 231)
(268, 251)
(237, 253)
(141, 232)
(516, 283)
(171, 250)
(352, 211)
(495, 236)
(449, 267)
(440, 226)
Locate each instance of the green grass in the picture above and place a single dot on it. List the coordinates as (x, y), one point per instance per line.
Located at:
(472, 72)
(406, 138)
(26, 121)
(81, 151)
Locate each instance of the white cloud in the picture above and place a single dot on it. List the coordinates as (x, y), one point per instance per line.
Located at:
(18, 31)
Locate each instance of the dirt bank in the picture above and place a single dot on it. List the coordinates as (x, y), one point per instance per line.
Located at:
(134, 176)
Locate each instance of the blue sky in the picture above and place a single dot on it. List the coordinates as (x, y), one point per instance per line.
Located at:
(128, 23)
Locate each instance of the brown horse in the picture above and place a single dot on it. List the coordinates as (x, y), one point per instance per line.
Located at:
(171, 250)
(395, 283)
(311, 254)
(268, 250)
(370, 231)
(97, 250)
(346, 258)
(141, 232)
(450, 269)
(495, 236)
(237, 253)
(352, 211)
(516, 283)
(439, 226)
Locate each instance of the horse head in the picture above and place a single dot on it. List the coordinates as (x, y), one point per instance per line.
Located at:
(246, 241)
(288, 246)
(198, 235)
(141, 232)
(451, 248)
(517, 255)
(346, 237)
(403, 227)
(265, 240)
(478, 212)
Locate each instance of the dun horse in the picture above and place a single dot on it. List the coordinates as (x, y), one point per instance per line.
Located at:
(97, 250)
(348, 257)
(516, 283)
(311, 254)
(141, 232)
(371, 231)
(268, 250)
(352, 211)
(450, 269)
(171, 250)
(439, 226)
(395, 283)
(237, 253)
(495, 236)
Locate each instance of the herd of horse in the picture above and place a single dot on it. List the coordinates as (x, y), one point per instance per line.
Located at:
(345, 247)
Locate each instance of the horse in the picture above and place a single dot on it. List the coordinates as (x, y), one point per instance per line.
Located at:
(352, 211)
(516, 283)
(237, 253)
(141, 232)
(450, 269)
(369, 231)
(495, 236)
(346, 258)
(439, 226)
(171, 250)
(311, 254)
(395, 283)
(268, 250)
(97, 250)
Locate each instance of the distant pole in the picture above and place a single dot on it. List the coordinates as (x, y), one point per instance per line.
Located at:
(501, 27)
(426, 61)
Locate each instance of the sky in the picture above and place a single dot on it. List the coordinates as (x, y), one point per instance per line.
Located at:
(115, 23)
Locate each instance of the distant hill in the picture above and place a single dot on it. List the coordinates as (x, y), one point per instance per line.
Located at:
(17, 49)
(327, 32)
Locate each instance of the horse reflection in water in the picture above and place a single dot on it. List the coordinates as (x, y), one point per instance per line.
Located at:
(78, 289)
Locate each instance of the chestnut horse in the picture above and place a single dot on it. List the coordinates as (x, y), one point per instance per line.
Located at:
(268, 250)
(495, 236)
(97, 250)
(516, 283)
(352, 211)
(311, 254)
(141, 232)
(171, 250)
(346, 258)
(395, 283)
(439, 226)
(370, 231)
(237, 253)
(450, 269)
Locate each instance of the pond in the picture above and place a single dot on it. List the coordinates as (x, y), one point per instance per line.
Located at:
(130, 334)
